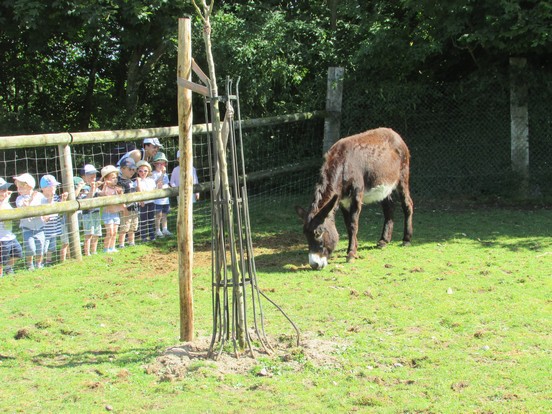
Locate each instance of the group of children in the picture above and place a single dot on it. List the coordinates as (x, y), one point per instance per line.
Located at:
(122, 223)
(39, 233)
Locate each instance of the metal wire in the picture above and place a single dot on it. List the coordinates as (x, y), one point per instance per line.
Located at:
(234, 282)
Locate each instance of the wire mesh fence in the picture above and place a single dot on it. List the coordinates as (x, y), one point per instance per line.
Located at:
(458, 133)
(281, 162)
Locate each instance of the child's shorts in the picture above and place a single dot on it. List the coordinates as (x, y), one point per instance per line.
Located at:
(111, 218)
(50, 244)
(162, 208)
(92, 224)
(34, 242)
(129, 222)
(10, 249)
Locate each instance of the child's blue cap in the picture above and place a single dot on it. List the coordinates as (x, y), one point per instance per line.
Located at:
(48, 181)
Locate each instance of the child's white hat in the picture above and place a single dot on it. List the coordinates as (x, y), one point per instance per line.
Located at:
(108, 169)
(26, 178)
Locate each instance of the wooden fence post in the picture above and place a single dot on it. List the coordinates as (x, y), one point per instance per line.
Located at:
(519, 126)
(72, 218)
(185, 219)
(334, 94)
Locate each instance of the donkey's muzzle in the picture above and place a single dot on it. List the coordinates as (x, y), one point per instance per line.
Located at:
(317, 262)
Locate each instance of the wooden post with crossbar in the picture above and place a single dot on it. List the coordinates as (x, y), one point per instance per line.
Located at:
(185, 220)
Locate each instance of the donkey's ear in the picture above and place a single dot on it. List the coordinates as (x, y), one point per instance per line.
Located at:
(319, 218)
(301, 212)
(330, 205)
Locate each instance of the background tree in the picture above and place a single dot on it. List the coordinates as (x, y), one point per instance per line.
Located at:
(75, 65)
(79, 65)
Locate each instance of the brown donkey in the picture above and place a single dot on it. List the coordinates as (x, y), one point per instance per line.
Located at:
(360, 169)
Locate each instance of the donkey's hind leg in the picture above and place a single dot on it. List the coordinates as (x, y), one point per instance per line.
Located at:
(387, 231)
(408, 210)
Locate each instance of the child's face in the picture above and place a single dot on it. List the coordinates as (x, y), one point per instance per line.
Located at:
(4, 194)
(127, 172)
(23, 188)
(159, 165)
(49, 191)
(143, 172)
(89, 178)
(111, 179)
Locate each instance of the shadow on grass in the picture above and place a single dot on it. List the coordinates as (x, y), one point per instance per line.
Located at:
(280, 245)
(64, 360)
(512, 230)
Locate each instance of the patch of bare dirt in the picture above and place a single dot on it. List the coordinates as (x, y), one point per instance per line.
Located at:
(268, 252)
(178, 361)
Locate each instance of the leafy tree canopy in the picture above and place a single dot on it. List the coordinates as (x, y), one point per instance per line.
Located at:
(83, 64)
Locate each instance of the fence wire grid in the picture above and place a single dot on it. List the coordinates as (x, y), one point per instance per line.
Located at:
(269, 150)
(458, 132)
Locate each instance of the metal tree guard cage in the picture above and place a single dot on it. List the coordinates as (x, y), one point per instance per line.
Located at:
(236, 296)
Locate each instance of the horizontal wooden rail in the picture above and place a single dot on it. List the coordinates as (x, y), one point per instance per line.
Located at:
(86, 204)
(94, 137)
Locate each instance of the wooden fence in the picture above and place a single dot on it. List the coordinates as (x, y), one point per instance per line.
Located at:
(65, 141)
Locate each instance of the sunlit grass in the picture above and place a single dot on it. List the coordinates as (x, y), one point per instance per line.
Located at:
(458, 322)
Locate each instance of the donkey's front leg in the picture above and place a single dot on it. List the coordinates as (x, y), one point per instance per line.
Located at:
(351, 217)
(347, 219)
(387, 231)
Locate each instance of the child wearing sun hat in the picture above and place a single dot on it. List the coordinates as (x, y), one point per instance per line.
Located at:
(54, 223)
(130, 219)
(162, 205)
(31, 227)
(9, 246)
(144, 182)
(111, 214)
(91, 219)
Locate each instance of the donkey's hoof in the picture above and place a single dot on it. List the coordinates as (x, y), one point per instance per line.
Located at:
(351, 258)
(406, 243)
(381, 244)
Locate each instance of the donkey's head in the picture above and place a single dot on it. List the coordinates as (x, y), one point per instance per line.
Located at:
(321, 233)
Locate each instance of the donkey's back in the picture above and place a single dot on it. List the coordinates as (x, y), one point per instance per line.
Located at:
(374, 163)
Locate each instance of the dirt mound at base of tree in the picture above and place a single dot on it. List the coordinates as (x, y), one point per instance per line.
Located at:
(179, 361)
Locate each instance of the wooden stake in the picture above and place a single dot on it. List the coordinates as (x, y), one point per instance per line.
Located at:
(72, 218)
(185, 220)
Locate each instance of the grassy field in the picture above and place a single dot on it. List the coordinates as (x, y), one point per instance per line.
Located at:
(459, 322)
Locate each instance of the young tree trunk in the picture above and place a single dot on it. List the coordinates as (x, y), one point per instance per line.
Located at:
(221, 143)
(86, 110)
(138, 69)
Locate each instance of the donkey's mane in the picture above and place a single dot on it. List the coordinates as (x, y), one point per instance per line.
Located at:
(325, 189)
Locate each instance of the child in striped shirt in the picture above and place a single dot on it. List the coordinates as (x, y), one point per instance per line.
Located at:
(54, 223)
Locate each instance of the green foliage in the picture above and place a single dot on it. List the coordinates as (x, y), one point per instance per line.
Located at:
(266, 49)
(504, 27)
(77, 65)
